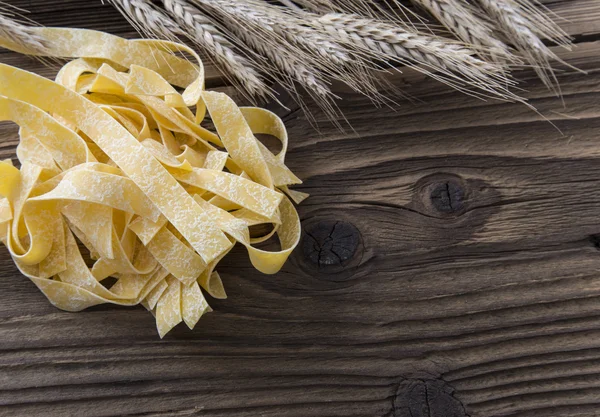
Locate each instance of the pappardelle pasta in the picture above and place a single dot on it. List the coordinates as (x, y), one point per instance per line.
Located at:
(114, 155)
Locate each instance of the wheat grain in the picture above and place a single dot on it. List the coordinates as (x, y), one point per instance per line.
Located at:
(462, 21)
(290, 4)
(450, 62)
(384, 10)
(370, 8)
(319, 6)
(21, 35)
(524, 25)
(202, 31)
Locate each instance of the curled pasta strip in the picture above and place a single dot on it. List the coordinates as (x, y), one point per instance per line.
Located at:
(113, 154)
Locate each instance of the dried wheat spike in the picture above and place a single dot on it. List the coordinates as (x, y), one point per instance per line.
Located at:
(524, 26)
(450, 62)
(296, 50)
(325, 54)
(289, 26)
(286, 63)
(21, 35)
(202, 31)
(462, 21)
(147, 19)
(249, 27)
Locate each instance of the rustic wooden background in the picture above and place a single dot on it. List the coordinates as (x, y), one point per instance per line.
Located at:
(463, 238)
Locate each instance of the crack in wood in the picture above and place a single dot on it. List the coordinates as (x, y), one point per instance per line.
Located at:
(448, 197)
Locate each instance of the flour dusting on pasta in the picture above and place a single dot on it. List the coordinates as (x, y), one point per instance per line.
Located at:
(114, 155)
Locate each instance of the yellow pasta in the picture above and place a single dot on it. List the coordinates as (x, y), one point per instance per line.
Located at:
(113, 155)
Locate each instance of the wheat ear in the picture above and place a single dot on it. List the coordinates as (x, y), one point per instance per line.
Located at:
(462, 21)
(330, 57)
(202, 31)
(291, 27)
(523, 25)
(147, 19)
(21, 35)
(449, 62)
(247, 25)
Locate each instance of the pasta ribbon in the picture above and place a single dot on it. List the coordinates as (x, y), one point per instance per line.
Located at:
(113, 155)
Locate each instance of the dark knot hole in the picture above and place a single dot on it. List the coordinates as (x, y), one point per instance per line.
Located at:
(330, 243)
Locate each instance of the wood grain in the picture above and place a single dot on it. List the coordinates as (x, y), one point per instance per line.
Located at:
(492, 307)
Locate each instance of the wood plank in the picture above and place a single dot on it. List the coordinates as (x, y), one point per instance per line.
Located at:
(576, 17)
(500, 298)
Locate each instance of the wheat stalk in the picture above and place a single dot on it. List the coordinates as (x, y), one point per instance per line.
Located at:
(462, 21)
(21, 35)
(524, 25)
(203, 32)
(450, 62)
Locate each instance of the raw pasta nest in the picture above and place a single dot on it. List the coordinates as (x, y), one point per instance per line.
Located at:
(112, 154)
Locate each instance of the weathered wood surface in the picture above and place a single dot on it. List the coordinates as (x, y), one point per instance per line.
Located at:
(452, 269)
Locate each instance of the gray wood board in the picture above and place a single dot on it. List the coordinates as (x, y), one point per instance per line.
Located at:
(464, 281)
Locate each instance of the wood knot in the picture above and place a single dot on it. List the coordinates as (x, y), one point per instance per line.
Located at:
(426, 398)
(445, 195)
(448, 197)
(330, 243)
(330, 250)
(595, 241)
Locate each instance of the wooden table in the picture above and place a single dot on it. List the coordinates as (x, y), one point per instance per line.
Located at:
(450, 266)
